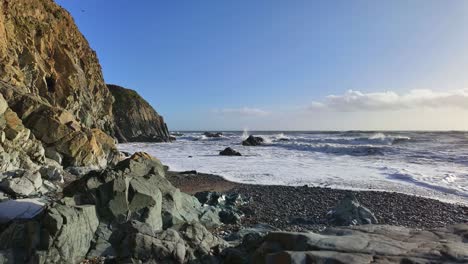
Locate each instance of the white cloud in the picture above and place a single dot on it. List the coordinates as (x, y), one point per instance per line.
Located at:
(381, 101)
(244, 111)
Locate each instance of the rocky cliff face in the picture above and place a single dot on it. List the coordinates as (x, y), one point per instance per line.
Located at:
(53, 87)
(42, 52)
(135, 119)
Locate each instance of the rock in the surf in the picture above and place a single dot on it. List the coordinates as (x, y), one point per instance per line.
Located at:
(253, 141)
(229, 152)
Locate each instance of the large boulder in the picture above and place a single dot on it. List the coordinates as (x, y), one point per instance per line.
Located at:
(350, 212)
(63, 234)
(136, 189)
(253, 141)
(135, 118)
(187, 243)
(43, 53)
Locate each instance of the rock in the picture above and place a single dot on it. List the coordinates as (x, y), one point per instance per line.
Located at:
(229, 217)
(209, 217)
(22, 184)
(136, 189)
(213, 135)
(18, 148)
(188, 243)
(135, 119)
(172, 138)
(189, 172)
(52, 173)
(362, 244)
(61, 235)
(52, 154)
(209, 198)
(44, 54)
(253, 141)
(350, 212)
(229, 152)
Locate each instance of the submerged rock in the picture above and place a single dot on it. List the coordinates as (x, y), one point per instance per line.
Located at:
(229, 152)
(350, 212)
(253, 141)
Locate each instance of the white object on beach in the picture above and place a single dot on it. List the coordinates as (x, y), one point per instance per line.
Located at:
(20, 209)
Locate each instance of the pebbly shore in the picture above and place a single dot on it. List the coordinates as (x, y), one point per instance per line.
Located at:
(305, 208)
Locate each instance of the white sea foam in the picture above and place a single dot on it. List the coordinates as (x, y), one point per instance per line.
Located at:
(429, 164)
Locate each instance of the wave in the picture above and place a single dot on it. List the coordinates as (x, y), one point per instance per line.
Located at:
(337, 149)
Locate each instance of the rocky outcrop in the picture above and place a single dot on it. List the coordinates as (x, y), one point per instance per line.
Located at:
(63, 137)
(360, 244)
(229, 152)
(18, 146)
(43, 53)
(253, 141)
(135, 119)
(128, 213)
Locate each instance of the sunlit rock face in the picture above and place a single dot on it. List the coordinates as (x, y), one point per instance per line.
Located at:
(42, 52)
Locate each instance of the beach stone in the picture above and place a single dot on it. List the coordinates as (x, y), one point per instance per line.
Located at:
(253, 141)
(229, 152)
(350, 212)
(52, 173)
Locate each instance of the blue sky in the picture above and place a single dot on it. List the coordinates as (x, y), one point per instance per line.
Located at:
(269, 64)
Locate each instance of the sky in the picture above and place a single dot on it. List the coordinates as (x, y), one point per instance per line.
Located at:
(287, 65)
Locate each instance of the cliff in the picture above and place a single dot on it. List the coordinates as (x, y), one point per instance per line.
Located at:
(43, 53)
(52, 86)
(135, 119)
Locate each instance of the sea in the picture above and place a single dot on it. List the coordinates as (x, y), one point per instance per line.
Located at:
(428, 164)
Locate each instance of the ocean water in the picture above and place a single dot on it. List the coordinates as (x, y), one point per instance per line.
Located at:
(430, 164)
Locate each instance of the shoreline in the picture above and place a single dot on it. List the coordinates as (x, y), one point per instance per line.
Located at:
(303, 208)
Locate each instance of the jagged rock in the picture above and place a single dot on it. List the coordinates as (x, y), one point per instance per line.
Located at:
(24, 183)
(350, 212)
(136, 189)
(229, 217)
(135, 119)
(213, 135)
(57, 128)
(362, 244)
(185, 243)
(229, 152)
(18, 147)
(43, 53)
(209, 198)
(253, 141)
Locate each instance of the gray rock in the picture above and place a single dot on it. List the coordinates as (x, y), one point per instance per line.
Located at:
(186, 243)
(364, 244)
(23, 184)
(67, 232)
(350, 212)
